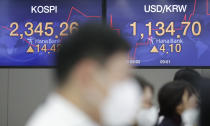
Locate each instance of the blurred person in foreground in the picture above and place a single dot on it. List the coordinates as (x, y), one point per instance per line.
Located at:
(148, 113)
(190, 115)
(94, 86)
(174, 98)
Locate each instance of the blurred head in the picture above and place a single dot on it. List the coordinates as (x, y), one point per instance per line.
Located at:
(147, 114)
(188, 75)
(91, 60)
(148, 92)
(174, 98)
(193, 77)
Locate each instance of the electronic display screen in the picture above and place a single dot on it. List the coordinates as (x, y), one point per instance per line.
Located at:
(31, 30)
(163, 32)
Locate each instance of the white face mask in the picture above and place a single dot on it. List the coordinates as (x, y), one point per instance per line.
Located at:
(121, 106)
(190, 117)
(147, 117)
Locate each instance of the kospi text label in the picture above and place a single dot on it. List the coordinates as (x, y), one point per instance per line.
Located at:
(44, 9)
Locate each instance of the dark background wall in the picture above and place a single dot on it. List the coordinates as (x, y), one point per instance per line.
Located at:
(22, 90)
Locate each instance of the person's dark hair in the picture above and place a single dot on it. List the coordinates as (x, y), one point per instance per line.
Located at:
(188, 75)
(170, 96)
(93, 41)
(143, 83)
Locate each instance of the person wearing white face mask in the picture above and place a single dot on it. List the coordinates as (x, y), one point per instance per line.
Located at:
(148, 113)
(91, 70)
(190, 117)
(174, 98)
(122, 104)
(191, 114)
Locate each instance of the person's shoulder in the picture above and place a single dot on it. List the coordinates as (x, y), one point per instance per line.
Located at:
(166, 122)
(51, 113)
(56, 111)
(44, 116)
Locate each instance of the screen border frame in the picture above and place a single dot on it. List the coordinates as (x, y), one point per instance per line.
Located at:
(162, 67)
(103, 13)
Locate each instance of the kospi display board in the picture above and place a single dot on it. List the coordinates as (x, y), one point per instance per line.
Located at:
(31, 30)
(163, 32)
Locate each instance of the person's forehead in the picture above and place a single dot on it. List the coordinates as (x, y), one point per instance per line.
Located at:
(118, 59)
(185, 96)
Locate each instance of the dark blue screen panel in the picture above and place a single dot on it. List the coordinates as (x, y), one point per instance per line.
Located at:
(163, 32)
(31, 30)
